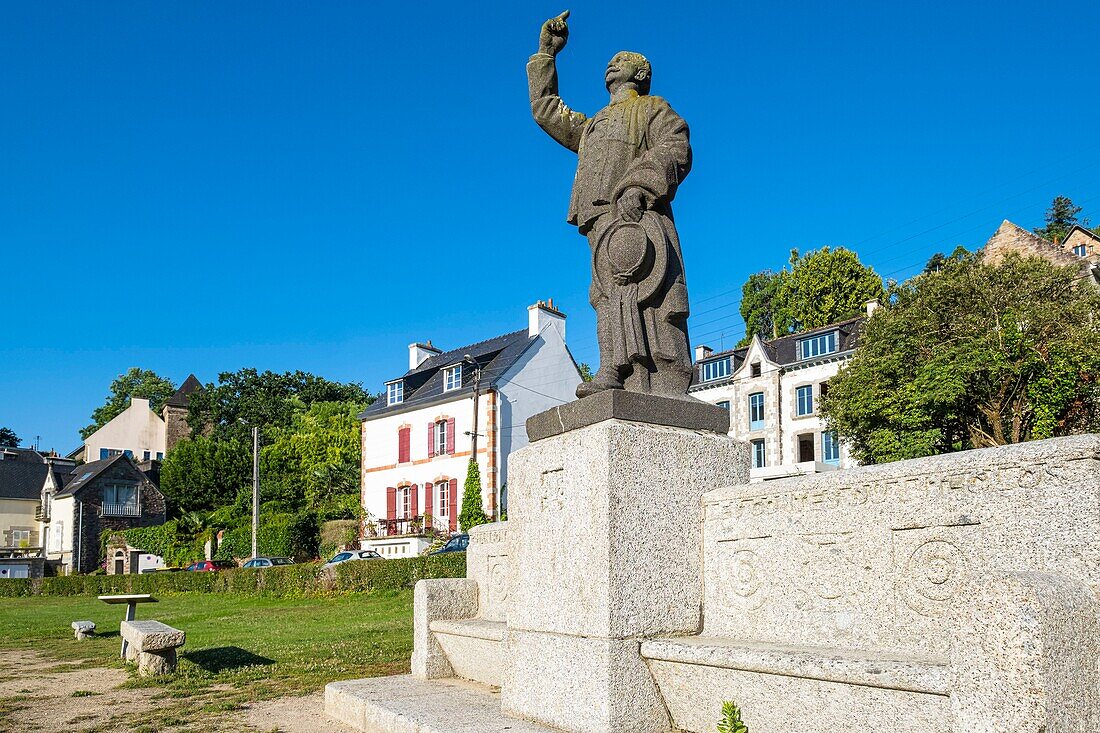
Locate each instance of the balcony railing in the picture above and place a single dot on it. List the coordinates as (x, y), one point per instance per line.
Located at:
(120, 510)
(411, 526)
(18, 553)
(41, 514)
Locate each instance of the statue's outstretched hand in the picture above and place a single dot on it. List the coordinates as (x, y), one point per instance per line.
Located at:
(554, 35)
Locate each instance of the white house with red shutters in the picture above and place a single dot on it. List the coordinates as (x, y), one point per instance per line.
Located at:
(418, 437)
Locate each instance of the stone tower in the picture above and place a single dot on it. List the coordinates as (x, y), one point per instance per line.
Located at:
(174, 413)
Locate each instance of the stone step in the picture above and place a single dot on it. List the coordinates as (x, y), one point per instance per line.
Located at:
(405, 704)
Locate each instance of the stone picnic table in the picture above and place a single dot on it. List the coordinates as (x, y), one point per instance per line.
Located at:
(131, 602)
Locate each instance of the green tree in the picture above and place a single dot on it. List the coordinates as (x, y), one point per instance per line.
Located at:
(315, 461)
(201, 474)
(586, 371)
(826, 286)
(247, 398)
(762, 309)
(473, 512)
(939, 260)
(1060, 218)
(136, 382)
(972, 356)
(8, 438)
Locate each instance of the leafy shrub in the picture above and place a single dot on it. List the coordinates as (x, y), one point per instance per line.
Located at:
(336, 534)
(290, 581)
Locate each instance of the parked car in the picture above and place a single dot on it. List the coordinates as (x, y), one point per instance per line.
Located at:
(348, 555)
(209, 566)
(458, 543)
(267, 562)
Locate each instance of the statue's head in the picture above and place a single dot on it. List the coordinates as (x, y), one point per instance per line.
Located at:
(627, 67)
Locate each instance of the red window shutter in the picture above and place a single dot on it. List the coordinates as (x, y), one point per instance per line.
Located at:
(450, 435)
(452, 508)
(431, 439)
(414, 509)
(429, 501)
(391, 503)
(403, 445)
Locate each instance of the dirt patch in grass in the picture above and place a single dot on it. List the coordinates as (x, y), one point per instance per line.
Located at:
(40, 694)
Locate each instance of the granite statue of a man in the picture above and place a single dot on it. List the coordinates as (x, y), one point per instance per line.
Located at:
(632, 156)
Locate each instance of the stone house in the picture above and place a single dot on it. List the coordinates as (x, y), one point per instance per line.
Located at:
(77, 507)
(419, 436)
(139, 432)
(773, 390)
(1080, 248)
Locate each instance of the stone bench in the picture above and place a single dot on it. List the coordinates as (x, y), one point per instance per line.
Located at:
(474, 647)
(152, 646)
(83, 629)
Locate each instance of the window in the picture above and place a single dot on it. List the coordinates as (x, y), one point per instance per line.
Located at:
(759, 456)
(817, 345)
(756, 411)
(128, 453)
(145, 456)
(160, 456)
(756, 369)
(395, 393)
(830, 447)
(105, 453)
(805, 447)
(21, 537)
(1080, 250)
(404, 503)
(441, 438)
(120, 500)
(805, 399)
(711, 370)
(452, 377)
(444, 496)
(724, 404)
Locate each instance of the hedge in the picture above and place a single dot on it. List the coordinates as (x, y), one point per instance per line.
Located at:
(288, 581)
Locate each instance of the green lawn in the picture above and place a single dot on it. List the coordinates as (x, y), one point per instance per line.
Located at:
(243, 647)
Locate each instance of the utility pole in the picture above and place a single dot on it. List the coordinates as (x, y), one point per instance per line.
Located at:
(255, 488)
(477, 398)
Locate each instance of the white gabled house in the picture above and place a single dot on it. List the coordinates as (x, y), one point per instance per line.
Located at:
(773, 390)
(419, 436)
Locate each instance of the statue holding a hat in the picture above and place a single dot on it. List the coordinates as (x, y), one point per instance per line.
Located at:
(632, 156)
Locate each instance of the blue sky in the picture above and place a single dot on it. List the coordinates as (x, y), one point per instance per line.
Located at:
(202, 186)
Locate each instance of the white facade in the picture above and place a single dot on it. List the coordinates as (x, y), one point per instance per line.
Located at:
(532, 372)
(137, 430)
(775, 400)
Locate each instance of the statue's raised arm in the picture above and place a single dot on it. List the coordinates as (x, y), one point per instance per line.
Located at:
(549, 111)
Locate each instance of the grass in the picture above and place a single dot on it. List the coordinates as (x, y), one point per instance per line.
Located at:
(239, 648)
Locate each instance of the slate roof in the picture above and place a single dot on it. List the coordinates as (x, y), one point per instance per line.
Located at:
(183, 395)
(22, 474)
(424, 384)
(784, 350)
(84, 474)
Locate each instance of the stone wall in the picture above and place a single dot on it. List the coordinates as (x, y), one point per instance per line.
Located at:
(175, 426)
(91, 497)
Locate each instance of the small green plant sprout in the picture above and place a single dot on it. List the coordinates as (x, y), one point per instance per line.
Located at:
(731, 719)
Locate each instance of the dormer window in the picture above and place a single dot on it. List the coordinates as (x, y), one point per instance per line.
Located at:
(755, 369)
(817, 345)
(395, 392)
(452, 377)
(711, 370)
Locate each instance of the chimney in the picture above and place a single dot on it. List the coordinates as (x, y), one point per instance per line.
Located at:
(139, 402)
(419, 353)
(872, 306)
(702, 352)
(542, 315)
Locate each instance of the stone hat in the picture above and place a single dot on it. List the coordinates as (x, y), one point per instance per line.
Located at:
(640, 248)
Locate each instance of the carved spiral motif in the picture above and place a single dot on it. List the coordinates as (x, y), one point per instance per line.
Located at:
(932, 575)
(498, 582)
(744, 573)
